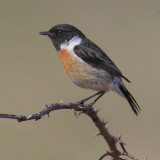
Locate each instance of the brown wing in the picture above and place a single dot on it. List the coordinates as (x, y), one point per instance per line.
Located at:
(92, 54)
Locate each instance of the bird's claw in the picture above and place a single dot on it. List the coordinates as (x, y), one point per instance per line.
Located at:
(81, 102)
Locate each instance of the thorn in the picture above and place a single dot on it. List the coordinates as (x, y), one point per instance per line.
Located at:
(107, 151)
(48, 115)
(102, 120)
(61, 101)
(105, 123)
(47, 105)
(75, 113)
(98, 110)
(19, 120)
(117, 139)
(98, 134)
(80, 113)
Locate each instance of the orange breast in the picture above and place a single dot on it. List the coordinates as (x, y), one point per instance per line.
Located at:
(69, 62)
(81, 73)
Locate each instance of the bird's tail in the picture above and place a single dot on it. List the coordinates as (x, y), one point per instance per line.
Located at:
(122, 90)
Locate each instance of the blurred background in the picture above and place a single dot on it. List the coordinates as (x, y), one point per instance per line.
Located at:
(31, 76)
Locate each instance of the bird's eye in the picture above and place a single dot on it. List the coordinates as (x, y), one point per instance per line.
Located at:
(60, 32)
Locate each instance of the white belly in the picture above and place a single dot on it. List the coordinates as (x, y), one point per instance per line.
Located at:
(92, 78)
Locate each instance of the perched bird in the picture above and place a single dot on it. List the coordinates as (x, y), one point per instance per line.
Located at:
(87, 65)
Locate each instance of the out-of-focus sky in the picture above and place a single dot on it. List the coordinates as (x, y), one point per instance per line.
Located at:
(31, 76)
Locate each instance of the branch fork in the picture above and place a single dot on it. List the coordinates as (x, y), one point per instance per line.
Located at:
(81, 108)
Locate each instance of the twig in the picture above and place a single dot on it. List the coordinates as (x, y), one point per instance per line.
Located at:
(46, 111)
(111, 155)
(87, 109)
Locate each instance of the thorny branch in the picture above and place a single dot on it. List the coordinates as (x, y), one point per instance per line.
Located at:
(88, 110)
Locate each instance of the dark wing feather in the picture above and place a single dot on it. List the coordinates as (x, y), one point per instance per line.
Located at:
(92, 54)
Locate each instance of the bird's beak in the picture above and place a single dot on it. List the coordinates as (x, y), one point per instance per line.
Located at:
(45, 33)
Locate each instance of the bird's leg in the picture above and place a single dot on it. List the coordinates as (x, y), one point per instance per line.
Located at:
(101, 94)
(86, 99)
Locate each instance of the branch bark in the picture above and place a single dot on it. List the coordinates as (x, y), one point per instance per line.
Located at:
(87, 109)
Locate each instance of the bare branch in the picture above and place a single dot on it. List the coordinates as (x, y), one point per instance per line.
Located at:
(46, 111)
(111, 155)
(87, 109)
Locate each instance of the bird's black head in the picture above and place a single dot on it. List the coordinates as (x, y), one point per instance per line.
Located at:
(61, 33)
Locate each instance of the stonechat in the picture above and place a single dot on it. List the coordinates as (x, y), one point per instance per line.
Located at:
(87, 65)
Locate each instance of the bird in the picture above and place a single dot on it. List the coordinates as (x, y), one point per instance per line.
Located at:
(87, 65)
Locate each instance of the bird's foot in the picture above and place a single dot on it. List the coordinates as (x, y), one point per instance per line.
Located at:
(87, 107)
(91, 104)
(81, 102)
(79, 113)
